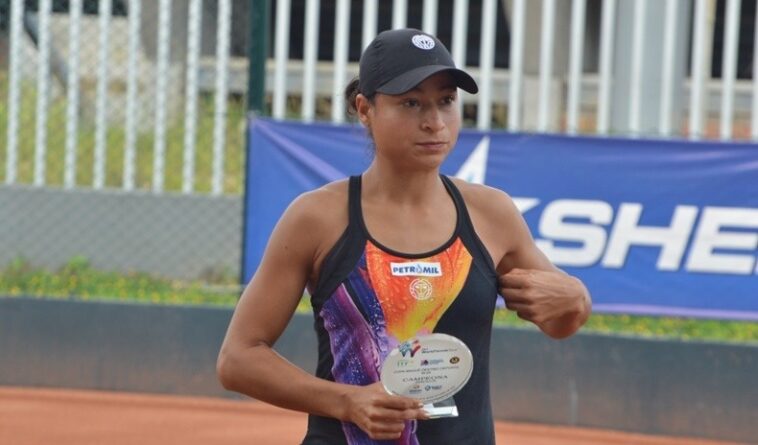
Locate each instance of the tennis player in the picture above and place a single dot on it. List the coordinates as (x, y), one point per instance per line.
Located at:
(397, 252)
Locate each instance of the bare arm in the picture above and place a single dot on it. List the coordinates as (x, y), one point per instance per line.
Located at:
(558, 303)
(248, 364)
(532, 286)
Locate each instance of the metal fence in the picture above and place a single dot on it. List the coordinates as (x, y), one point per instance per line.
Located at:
(131, 94)
(108, 94)
(148, 96)
(121, 145)
(623, 67)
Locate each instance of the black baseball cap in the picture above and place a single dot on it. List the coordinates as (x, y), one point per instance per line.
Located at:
(397, 60)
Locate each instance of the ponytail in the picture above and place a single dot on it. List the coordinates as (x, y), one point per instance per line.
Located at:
(351, 92)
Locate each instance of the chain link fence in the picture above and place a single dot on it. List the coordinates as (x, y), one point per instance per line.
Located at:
(122, 131)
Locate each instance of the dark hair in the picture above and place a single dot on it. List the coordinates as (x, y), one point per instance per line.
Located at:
(351, 92)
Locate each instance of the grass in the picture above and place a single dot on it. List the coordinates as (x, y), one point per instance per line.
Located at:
(78, 280)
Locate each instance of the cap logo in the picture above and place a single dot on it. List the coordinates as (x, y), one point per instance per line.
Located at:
(423, 42)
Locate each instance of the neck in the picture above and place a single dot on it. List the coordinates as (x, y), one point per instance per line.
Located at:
(401, 186)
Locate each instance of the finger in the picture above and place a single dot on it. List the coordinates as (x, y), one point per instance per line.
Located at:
(380, 429)
(386, 421)
(384, 432)
(399, 402)
(380, 414)
(524, 315)
(515, 296)
(520, 308)
(513, 280)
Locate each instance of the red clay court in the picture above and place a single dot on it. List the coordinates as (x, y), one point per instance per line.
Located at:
(30, 416)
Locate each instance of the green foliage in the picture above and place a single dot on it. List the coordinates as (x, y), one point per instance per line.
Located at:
(658, 327)
(78, 280)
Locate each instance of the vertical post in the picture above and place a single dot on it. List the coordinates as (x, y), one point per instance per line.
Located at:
(72, 94)
(132, 108)
(429, 20)
(256, 99)
(546, 64)
(606, 56)
(460, 29)
(667, 75)
(190, 94)
(729, 67)
(223, 31)
(341, 36)
(399, 14)
(516, 65)
(43, 92)
(14, 91)
(370, 16)
(310, 58)
(486, 64)
(701, 66)
(578, 11)
(256, 77)
(281, 56)
(635, 84)
(104, 11)
(161, 94)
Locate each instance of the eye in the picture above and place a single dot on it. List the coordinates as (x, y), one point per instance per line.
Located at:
(410, 103)
(449, 100)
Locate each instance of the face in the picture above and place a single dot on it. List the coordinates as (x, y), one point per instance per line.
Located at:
(417, 128)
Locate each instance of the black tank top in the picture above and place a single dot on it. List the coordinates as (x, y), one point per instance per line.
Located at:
(362, 311)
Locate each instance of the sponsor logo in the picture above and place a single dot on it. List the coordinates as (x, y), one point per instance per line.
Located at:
(454, 360)
(422, 41)
(403, 363)
(417, 269)
(410, 348)
(432, 387)
(421, 289)
(589, 233)
(431, 362)
(585, 233)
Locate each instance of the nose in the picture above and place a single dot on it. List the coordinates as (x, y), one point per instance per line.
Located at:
(432, 120)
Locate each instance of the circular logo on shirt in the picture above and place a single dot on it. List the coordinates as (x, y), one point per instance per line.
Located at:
(421, 289)
(422, 41)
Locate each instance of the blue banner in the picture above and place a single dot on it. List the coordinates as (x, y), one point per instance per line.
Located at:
(664, 227)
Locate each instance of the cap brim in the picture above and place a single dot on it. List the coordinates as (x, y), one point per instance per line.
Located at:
(407, 81)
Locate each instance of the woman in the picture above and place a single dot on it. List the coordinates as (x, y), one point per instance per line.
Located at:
(342, 239)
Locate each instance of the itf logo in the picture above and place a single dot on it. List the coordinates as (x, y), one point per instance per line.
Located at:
(410, 348)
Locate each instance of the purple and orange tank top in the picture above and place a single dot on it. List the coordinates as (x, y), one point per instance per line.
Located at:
(370, 298)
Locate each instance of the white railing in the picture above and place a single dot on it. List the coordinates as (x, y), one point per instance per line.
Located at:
(540, 91)
(141, 96)
(593, 96)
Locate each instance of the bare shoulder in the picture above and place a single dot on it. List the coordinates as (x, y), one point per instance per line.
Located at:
(486, 201)
(315, 221)
(496, 220)
(325, 205)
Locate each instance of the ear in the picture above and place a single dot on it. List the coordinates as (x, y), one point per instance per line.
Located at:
(362, 108)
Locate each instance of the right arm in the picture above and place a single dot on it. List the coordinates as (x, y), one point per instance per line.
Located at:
(248, 364)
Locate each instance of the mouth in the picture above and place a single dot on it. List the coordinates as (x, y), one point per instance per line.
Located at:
(433, 145)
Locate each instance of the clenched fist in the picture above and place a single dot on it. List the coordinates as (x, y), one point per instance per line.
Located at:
(555, 301)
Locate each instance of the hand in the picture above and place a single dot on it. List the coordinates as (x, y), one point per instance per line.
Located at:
(381, 415)
(542, 296)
